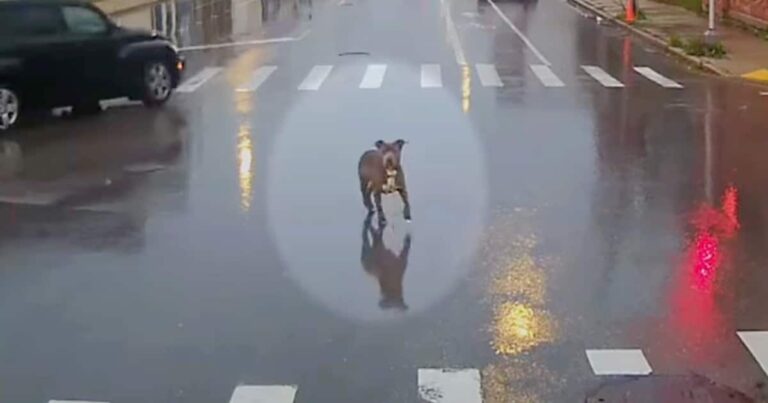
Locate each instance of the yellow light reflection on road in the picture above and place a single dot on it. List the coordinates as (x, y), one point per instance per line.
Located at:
(239, 75)
(518, 381)
(466, 88)
(245, 165)
(518, 328)
(517, 289)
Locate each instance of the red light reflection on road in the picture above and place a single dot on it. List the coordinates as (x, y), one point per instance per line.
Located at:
(730, 207)
(695, 319)
(706, 259)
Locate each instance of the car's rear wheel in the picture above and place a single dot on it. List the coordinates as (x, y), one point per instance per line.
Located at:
(158, 83)
(9, 108)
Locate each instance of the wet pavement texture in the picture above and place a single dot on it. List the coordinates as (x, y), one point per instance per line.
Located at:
(171, 255)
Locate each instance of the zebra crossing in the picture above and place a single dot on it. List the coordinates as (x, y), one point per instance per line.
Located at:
(464, 385)
(374, 76)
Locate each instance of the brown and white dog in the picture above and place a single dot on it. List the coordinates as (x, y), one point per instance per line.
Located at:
(380, 173)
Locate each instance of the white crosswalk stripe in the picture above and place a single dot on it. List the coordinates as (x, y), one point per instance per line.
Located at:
(263, 394)
(618, 362)
(197, 80)
(546, 76)
(258, 78)
(315, 78)
(652, 75)
(445, 385)
(757, 344)
(431, 76)
(602, 77)
(374, 76)
(489, 76)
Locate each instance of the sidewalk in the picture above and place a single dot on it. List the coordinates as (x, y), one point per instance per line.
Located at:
(747, 55)
(119, 6)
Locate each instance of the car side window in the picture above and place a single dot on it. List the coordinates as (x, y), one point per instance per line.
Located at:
(83, 20)
(30, 20)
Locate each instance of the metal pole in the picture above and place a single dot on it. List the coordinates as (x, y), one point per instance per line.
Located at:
(711, 26)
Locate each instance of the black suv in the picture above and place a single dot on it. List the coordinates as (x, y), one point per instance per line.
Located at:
(68, 53)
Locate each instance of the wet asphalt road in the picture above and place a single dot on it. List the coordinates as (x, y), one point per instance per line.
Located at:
(171, 255)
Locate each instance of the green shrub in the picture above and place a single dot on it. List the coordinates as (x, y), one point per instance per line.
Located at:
(676, 42)
(698, 47)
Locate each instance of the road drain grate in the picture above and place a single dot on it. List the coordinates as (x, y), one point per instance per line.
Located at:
(354, 54)
(662, 388)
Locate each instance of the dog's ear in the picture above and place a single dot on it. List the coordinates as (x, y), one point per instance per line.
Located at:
(400, 143)
(379, 144)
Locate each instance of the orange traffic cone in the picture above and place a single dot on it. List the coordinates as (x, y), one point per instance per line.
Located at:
(630, 18)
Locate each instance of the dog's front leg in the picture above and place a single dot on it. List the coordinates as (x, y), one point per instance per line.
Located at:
(401, 188)
(379, 208)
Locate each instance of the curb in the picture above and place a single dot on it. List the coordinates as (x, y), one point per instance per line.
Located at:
(698, 62)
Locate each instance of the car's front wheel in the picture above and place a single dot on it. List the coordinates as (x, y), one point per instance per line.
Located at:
(9, 108)
(158, 83)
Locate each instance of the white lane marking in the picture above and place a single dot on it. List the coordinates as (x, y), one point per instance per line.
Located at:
(602, 77)
(74, 401)
(546, 76)
(450, 385)
(618, 362)
(757, 343)
(263, 394)
(374, 76)
(453, 35)
(246, 43)
(489, 76)
(197, 81)
(315, 78)
(431, 76)
(519, 34)
(652, 75)
(258, 78)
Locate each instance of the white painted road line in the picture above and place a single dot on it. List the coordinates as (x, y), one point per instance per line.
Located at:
(73, 401)
(374, 76)
(258, 78)
(263, 394)
(546, 76)
(453, 34)
(270, 41)
(602, 77)
(431, 76)
(315, 78)
(197, 81)
(618, 362)
(757, 343)
(450, 385)
(489, 76)
(519, 34)
(652, 75)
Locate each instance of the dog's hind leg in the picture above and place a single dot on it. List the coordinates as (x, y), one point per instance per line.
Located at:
(365, 191)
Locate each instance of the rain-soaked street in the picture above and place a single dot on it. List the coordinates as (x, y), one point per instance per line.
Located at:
(586, 211)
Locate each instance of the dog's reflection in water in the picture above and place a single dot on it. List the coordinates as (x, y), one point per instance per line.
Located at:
(385, 265)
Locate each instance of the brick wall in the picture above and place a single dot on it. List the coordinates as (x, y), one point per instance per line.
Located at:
(753, 12)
